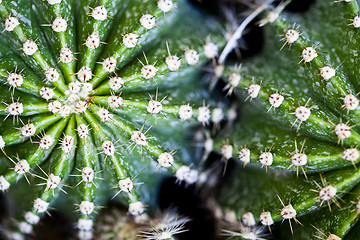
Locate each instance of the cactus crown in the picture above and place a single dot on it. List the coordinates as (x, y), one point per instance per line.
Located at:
(96, 95)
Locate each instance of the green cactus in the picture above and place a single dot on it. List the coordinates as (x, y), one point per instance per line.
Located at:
(98, 95)
(298, 135)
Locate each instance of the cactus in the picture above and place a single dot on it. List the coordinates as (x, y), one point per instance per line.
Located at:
(96, 100)
(296, 141)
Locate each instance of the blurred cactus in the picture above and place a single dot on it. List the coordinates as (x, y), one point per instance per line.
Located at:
(297, 138)
(98, 95)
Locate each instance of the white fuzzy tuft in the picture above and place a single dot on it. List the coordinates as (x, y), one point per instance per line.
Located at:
(32, 218)
(29, 47)
(66, 55)
(126, 185)
(52, 75)
(185, 112)
(109, 64)
(86, 207)
(149, 71)
(191, 56)
(11, 23)
(99, 13)
(59, 25)
(22, 167)
(40, 205)
(93, 41)
(136, 208)
(28, 130)
(166, 5)
(165, 160)
(4, 184)
(147, 21)
(47, 93)
(130, 40)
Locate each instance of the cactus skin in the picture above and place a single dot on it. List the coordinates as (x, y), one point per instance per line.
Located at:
(294, 156)
(66, 145)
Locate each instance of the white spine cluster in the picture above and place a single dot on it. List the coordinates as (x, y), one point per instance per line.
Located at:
(108, 148)
(53, 181)
(115, 101)
(244, 155)
(11, 23)
(266, 158)
(47, 93)
(185, 112)
(104, 114)
(147, 21)
(85, 224)
(40, 205)
(138, 138)
(351, 154)
(308, 54)
(67, 144)
(83, 131)
(84, 74)
(52, 75)
(86, 207)
(342, 131)
(327, 72)
(149, 71)
(204, 115)
(276, 100)
(52, 2)
(253, 90)
(126, 185)
(46, 142)
(217, 115)
(211, 50)
(136, 208)
(165, 160)
(154, 107)
(99, 13)
(66, 55)
(15, 80)
(130, 40)
(22, 167)
(356, 22)
(291, 36)
(266, 219)
(28, 130)
(109, 64)
(327, 193)
(4, 184)
(87, 174)
(29, 47)
(59, 25)
(192, 56)
(226, 151)
(288, 212)
(25, 227)
(93, 41)
(166, 5)
(185, 173)
(173, 62)
(32, 218)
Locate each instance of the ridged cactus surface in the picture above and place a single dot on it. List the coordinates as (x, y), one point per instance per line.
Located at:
(98, 95)
(297, 138)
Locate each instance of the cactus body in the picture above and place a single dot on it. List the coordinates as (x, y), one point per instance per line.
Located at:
(97, 95)
(298, 132)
